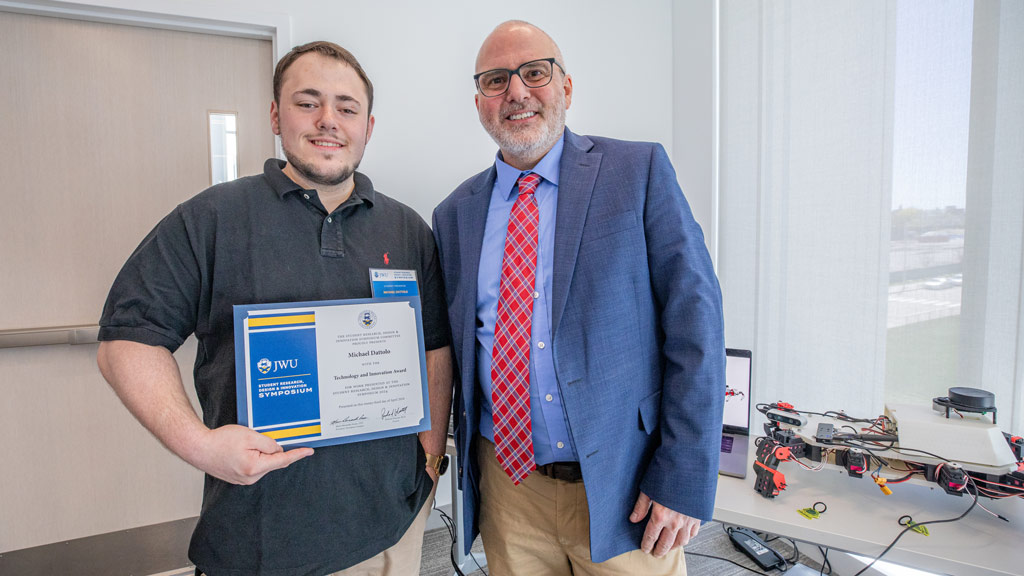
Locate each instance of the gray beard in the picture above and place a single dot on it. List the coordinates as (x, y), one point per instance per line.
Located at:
(514, 144)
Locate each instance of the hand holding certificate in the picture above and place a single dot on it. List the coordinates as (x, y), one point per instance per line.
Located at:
(321, 373)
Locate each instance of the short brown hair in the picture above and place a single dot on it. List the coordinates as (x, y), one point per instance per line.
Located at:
(329, 49)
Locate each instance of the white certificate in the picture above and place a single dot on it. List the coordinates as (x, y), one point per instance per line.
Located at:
(320, 373)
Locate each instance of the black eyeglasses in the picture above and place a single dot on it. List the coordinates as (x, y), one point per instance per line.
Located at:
(534, 74)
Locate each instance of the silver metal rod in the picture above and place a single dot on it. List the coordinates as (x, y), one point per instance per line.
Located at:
(49, 336)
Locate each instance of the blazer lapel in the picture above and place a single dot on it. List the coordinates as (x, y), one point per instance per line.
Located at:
(472, 216)
(577, 177)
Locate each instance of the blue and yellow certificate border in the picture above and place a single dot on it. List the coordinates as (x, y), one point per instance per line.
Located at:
(293, 324)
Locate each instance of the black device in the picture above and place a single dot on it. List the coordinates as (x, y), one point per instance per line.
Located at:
(786, 417)
(854, 461)
(952, 478)
(752, 545)
(967, 400)
(825, 433)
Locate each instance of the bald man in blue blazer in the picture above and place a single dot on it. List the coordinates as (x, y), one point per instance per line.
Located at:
(626, 353)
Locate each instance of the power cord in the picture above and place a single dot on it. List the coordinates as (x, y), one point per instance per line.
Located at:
(974, 502)
(449, 524)
(688, 553)
(796, 551)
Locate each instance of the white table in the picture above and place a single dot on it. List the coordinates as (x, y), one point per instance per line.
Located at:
(862, 520)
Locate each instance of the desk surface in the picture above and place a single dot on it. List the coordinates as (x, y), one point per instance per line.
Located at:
(863, 520)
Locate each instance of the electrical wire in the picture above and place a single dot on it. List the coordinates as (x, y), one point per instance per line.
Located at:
(449, 524)
(970, 481)
(1014, 490)
(899, 449)
(792, 543)
(831, 413)
(688, 553)
(1000, 516)
(824, 562)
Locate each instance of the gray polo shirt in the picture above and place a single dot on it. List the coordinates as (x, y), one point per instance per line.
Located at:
(264, 239)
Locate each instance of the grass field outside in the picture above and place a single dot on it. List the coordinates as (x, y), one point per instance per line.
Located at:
(922, 361)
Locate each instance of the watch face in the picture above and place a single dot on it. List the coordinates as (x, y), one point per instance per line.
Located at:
(444, 465)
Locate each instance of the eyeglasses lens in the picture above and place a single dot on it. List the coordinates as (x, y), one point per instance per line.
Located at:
(534, 75)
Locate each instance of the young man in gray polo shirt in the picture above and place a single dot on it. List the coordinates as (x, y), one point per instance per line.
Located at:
(305, 230)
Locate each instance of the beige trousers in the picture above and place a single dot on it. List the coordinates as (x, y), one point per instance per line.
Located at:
(542, 527)
(402, 559)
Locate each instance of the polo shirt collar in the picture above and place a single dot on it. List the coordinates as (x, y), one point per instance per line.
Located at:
(273, 170)
(547, 168)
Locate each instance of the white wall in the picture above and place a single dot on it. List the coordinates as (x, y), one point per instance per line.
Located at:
(420, 57)
(695, 111)
(427, 139)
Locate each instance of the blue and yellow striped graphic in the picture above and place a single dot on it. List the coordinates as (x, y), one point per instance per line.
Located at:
(278, 321)
(291, 432)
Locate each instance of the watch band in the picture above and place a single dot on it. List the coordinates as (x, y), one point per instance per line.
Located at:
(438, 463)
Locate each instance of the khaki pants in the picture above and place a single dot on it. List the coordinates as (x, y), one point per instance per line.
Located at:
(542, 527)
(402, 559)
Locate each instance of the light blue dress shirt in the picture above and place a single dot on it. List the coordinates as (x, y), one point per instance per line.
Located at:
(551, 442)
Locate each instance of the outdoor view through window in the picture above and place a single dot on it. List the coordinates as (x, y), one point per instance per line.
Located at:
(932, 85)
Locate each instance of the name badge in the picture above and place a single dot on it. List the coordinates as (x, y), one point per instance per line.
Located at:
(386, 283)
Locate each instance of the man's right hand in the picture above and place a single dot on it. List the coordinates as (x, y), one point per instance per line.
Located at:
(147, 380)
(239, 455)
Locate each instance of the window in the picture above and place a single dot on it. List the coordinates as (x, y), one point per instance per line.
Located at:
(223, 147)
(871, 214)
(931, 117)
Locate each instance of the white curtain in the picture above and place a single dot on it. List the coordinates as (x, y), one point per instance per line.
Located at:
(992, 338)
(817, 103)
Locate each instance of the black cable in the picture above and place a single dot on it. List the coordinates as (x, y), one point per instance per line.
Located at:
(902, 449)
(478, 566)
(903, 478)
(688, 553)
(792, 543)
(829, 414)
(449, 524)
(910, 527)
(824, 561)
(796, 551)
(871, 449)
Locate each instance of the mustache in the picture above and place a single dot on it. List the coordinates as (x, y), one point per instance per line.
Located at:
(515, 108)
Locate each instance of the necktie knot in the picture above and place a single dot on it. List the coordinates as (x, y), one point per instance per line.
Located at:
(528, 183)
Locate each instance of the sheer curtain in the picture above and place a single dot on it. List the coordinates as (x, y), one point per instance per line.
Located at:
(872, 199)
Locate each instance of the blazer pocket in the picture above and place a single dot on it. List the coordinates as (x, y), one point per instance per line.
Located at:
(607, 224)
(650, 409)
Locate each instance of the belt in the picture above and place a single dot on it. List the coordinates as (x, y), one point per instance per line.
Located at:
(564, 471)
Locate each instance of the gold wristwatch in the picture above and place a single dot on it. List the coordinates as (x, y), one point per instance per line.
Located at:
(438, 463)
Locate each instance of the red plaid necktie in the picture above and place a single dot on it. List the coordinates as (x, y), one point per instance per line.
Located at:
(510, 361)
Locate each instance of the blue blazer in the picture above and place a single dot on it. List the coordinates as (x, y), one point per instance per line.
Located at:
(636, 327)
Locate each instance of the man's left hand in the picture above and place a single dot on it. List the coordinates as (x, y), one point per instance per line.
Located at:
(666, 530)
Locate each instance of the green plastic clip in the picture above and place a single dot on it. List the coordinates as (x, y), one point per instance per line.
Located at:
(809, 513)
